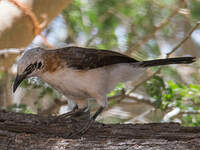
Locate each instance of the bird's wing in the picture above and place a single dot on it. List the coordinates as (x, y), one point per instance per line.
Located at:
(88, 58)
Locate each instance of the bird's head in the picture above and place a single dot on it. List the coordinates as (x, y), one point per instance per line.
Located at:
(30, 64)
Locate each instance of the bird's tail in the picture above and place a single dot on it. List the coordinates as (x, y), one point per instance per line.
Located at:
(168, 61)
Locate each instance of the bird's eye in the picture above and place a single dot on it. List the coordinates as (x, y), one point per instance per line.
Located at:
(35, 64)
(39, 65)
(29, 69)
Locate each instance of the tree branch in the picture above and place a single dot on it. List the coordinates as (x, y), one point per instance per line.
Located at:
(184, 40)
(156, 28)
(27, 132)
(167, 56)
(19, 25)
(37, 26)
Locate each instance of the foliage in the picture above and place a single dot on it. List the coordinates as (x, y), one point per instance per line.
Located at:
(21, 108)
(45, 89)
(102, 21)
(117, 90)
(195, 9)
(169, 95)
(157, 89)
(38, 84)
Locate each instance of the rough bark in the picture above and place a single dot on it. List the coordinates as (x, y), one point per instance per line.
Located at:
(25, 132)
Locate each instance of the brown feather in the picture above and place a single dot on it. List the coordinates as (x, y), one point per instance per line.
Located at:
(88, 58)
(52, 62)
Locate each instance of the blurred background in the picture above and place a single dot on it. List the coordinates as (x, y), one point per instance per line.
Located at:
(143, 29)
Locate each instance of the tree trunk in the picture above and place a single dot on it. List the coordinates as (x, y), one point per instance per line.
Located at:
(16, 28)
(34, 132)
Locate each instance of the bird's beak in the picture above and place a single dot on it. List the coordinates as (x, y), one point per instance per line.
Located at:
(18, 80)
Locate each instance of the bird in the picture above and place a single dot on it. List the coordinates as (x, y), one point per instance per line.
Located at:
(83, 73)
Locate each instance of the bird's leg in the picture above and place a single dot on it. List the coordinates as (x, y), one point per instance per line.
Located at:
(68, 113)
(76, 112)
(97, 113)
(87, 126)
(81, 114)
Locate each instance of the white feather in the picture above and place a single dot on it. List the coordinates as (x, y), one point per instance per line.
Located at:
(94, 83)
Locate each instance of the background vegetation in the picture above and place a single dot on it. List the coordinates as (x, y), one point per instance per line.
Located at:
(143, 29)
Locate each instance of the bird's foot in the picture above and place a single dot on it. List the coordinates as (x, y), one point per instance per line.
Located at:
(88, 125)
(77, 114)
(81, 114)
(83, 130)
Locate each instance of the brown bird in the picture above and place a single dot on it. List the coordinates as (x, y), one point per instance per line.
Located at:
(83, 73)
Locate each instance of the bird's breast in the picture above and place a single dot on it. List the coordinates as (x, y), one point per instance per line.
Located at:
(66, 82)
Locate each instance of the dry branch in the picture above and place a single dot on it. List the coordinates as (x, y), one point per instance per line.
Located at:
(17, 32)
(37, 26)
(28, 132)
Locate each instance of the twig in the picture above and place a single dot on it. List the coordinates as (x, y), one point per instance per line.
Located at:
(168, 55)
(184, 40)
(91, 40)
(156, 28)
(7, 100)
(10, 51)
(122, 96)
(142, 99)
(117, 98)
(141, 118)
(143, 81)
(136, 97)
(162, 5)
(37, 26)
(103, 17)
(180, 114)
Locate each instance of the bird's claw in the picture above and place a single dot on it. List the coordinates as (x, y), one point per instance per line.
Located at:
(75, 114)
(83, 130)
